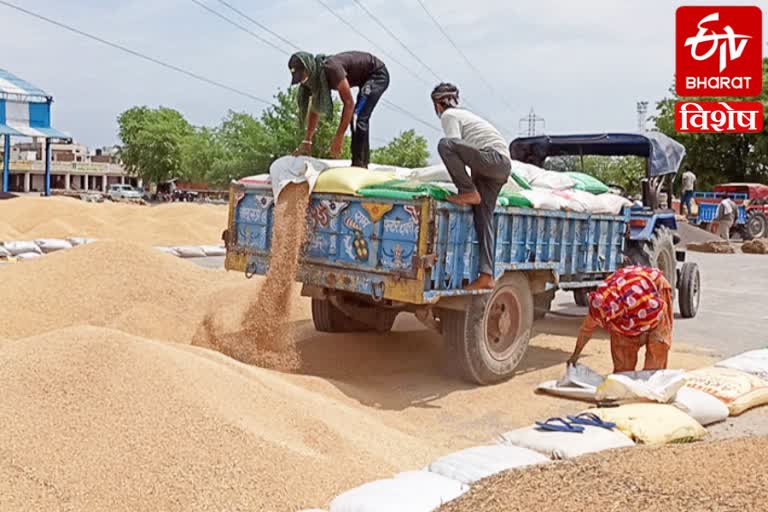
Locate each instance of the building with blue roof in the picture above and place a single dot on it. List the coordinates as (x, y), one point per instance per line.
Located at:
(25, 111)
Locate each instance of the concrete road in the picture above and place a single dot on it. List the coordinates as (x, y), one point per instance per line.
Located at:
(733, 316)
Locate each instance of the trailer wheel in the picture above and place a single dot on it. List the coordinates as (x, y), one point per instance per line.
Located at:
(757, 225)
(658, 252)
(581, 296)
(690, 290)
(329, 318)
(490, 336)
(542, 304)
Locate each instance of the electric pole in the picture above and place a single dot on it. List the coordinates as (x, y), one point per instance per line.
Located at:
(642, 110)
(529, 124)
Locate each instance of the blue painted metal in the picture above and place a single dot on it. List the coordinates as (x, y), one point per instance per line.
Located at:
(644, 222)
(47, 167)
(708, 210)
(6, 162)
(351, 249)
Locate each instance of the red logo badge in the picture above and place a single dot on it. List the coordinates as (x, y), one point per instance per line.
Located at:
(718, 116)
(719, 51)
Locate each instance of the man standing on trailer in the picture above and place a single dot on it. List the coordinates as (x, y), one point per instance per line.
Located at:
(471, 141)
(317, 76)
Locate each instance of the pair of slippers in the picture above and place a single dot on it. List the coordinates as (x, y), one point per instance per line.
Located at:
(574, 423)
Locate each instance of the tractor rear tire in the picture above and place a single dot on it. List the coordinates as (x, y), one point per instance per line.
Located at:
(490, 336)
(756, 226)
(542, 304)
(658, 252)
(690, 290)
(581, 297)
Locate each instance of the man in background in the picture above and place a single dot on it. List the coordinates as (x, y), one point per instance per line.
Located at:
(688, 184)
(727, 213)
(471, 141)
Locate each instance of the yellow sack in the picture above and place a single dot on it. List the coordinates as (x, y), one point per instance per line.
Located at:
(648, 423)
(348, 180)
(737, 389)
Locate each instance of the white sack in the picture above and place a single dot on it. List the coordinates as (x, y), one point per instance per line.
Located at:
(168, 250)
(564, 445)
(52, 244)
(701, 406)
(543, 199)
(579, 201)
(4, 252)
(294, 169)
(189, 251)
(473, 464)
(20, 247)
(431, 173)
(579, 382)
(412, 491)
(214, 250)
(75, 241)
(657, 385)
(754, 362)
(527, 171)
(28, 255)
(610, 204)
(552, 180)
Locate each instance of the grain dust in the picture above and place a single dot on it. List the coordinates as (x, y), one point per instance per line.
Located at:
(265, 338)
(713, 477)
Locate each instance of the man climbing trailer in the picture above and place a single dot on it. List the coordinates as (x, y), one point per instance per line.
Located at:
(317, 75)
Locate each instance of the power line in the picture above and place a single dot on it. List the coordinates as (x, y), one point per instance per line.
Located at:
(136, 54)
(383, 52)
(263, 27)
(393, 36)
(463, 55)
(387, 103)
(241, 27)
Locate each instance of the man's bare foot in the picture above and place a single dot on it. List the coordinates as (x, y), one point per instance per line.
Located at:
(483, 282)
(466, 199)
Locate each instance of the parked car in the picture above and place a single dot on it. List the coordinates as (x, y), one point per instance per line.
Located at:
(122, 192)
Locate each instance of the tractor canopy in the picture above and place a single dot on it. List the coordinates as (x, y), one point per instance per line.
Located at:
(663, 154)
(753, 190)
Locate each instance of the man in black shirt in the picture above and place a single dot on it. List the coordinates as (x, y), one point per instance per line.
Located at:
(318, 75)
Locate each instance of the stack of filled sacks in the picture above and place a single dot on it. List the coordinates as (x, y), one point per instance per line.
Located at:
(528, 186)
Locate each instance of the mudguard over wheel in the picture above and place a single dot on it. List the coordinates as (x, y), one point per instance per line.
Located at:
(690, 290)
(658, 252)
(490, 336)
(329, 318)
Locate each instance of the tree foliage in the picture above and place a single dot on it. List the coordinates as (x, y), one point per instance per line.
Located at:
(159, 144)
(408, 149)
(152, 142)
(717, 157)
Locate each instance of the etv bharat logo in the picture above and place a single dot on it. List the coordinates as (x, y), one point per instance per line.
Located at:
(730, 43)
(718, 51)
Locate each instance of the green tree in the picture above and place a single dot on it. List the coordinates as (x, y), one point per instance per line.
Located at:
(205, 158)
(152, 142)
(406, 150)
(715, 157)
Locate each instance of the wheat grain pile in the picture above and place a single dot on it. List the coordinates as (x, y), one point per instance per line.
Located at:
(27, 218)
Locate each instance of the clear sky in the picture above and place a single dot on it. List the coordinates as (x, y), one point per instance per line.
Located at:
(582, 65)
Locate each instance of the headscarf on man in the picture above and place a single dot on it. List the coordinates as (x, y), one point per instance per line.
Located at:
(446, 95)
(316, 89)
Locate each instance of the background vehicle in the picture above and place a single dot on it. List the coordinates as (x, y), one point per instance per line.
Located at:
(124, 192)
(752, 199)
(368, 259)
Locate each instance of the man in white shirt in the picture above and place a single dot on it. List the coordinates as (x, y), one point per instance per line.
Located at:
(727, 213)
(689, 183)
(471, 141)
